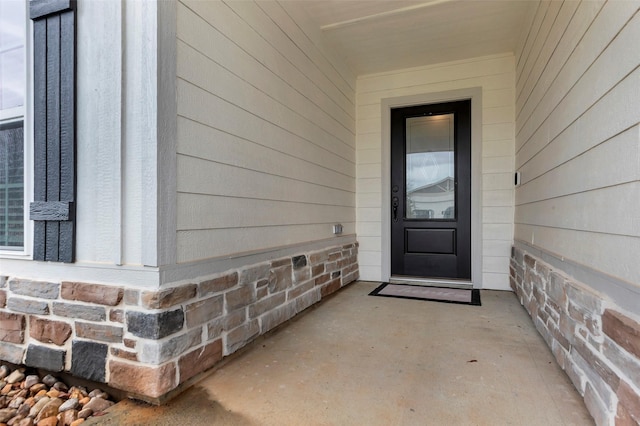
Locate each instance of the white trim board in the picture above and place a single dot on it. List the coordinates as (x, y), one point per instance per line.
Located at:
(475, 94)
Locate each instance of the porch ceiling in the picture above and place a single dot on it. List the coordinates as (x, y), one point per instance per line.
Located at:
(380, 35)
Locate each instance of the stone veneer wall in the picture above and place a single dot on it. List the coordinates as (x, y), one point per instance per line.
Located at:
(149, 342)
(594, 342)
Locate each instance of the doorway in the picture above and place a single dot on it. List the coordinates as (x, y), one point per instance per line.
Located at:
(431, 191)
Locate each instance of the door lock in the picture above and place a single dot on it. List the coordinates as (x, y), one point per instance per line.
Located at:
(395, 203)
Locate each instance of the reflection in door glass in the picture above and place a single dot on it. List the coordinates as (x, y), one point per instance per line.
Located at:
(430, 167)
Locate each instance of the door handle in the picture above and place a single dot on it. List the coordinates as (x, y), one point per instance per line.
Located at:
(395, 203)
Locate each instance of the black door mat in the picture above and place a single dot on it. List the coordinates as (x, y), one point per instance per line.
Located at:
(435, 294)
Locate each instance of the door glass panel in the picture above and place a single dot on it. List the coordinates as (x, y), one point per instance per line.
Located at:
(430, 167)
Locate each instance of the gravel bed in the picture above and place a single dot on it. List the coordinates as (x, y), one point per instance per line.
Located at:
(29, 399)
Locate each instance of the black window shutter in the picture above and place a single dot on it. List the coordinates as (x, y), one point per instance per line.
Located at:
(54, 59)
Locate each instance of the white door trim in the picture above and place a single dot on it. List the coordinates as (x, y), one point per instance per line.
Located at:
(475, 94)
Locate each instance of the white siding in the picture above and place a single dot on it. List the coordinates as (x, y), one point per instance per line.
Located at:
(99, 129)
(116, 133)
(495, 75)
(266, 132)
(578, 137)
(117, 143)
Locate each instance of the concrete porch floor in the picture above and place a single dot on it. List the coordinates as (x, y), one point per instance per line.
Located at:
(360, 360)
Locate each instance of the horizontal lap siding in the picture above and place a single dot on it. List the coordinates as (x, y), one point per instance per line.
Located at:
(266, 132)
(496, 76)
(578, 135)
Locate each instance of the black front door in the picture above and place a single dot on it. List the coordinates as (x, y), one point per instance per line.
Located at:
(431, 191)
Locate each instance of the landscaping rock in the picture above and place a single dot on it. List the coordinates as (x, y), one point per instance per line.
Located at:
(6, 414)
(60, 386)
(24, 409)
(14, 377)
(53, 393)
(28, 400)
(70, 404)
(77, 392)
(15, 420)
(49, 380)
(30, 381)
(6, 389)
(68, 417)
(85, 413)
(37, 388)
(48, 421)
(50, 409)
(16, 402)
(4, 371)
(28, 421)
(39, 405)
(97, 393)
(98, 405)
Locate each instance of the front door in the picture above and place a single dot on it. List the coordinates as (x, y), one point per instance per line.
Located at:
(431, 191)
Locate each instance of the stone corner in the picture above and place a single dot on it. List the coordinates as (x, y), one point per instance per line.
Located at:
(142, 380)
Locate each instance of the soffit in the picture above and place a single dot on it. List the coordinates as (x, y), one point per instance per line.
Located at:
(375, 36)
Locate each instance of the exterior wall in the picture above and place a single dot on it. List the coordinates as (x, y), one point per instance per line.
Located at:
(577, 135)
(148, 342)
(576, 223)
(496, 78)
(595, 341)
(216, 149)
(266, 138)
(116, 131)
(117, 142)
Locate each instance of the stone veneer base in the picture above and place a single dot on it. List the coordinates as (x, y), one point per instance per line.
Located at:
(151, 344)
(592, 339)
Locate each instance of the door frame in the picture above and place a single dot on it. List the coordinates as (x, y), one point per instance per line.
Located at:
(475, 94)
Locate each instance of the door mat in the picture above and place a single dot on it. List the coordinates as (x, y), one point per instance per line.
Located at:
(435, 294)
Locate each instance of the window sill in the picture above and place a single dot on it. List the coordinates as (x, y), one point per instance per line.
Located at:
(10, 254)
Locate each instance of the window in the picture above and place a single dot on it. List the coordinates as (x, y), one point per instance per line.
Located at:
(11, 185)
(12, 111)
